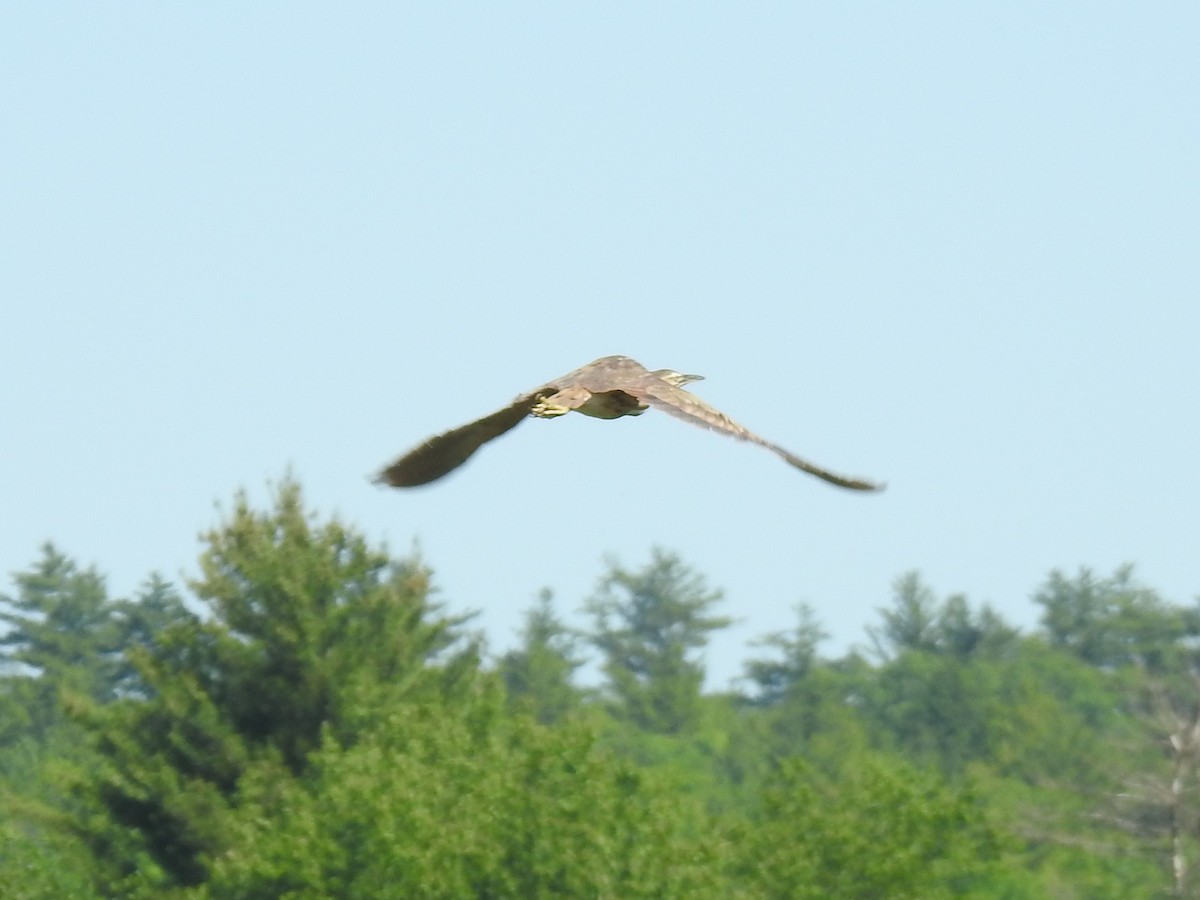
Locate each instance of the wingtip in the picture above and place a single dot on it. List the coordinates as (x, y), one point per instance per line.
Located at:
(862, 487)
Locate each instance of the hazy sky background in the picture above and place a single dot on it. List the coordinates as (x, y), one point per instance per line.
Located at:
(952, 246)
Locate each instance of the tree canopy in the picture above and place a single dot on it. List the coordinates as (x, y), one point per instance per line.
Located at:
(302, 720)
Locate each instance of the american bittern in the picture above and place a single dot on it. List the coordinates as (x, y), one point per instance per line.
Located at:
(608, 388)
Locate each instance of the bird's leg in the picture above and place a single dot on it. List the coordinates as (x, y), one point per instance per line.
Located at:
(561, 403)
(547, 410)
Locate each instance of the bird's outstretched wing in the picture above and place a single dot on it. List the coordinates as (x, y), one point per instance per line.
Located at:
(654, 391)
(614, 376)
(446, 452)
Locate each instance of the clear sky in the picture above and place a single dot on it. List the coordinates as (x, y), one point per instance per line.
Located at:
(955, 247)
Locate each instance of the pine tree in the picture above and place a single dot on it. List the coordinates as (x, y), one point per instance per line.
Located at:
(306, 623)
(775, 677)
(538, 673)
(140, 624)
(647, 624)
(61, 631)
(1112, 622)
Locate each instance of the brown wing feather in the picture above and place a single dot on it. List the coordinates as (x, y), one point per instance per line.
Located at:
(446, 452)
(687, 406)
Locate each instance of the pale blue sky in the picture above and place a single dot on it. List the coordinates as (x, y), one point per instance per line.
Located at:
(952, 246)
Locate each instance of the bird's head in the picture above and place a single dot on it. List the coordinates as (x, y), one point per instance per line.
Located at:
(678, 379)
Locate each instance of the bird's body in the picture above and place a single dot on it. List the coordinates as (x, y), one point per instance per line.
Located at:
(609, 388)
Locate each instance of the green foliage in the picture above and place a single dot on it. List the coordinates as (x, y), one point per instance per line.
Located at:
(911, 625)
(439, 802)
(141, 625)
(880, 829)
(973, 634)
(646, 624)
(319, 728)
(61, 627)
(39, 857)
(716, 765)
(775, 677)
(538, 673)
(42, 864)
(919, 622)
(820, 717)
(1112, 622)
(1025, 713)
(1065, 848)
(303, 613)
(61, 642)
(304, 621)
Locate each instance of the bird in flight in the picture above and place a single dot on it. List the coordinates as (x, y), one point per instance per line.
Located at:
(610, 387)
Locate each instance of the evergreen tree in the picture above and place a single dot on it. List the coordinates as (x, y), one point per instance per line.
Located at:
(140, 624)
(321, 729)
(798, 647)
(61, 629)
(306, 622)
(956, 688)
(1112, 622)
(61, 644)
(646, 625)
(911, 623)
(967, 634)
(538, 673)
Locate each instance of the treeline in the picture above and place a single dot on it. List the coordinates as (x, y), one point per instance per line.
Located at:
(312, 724)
